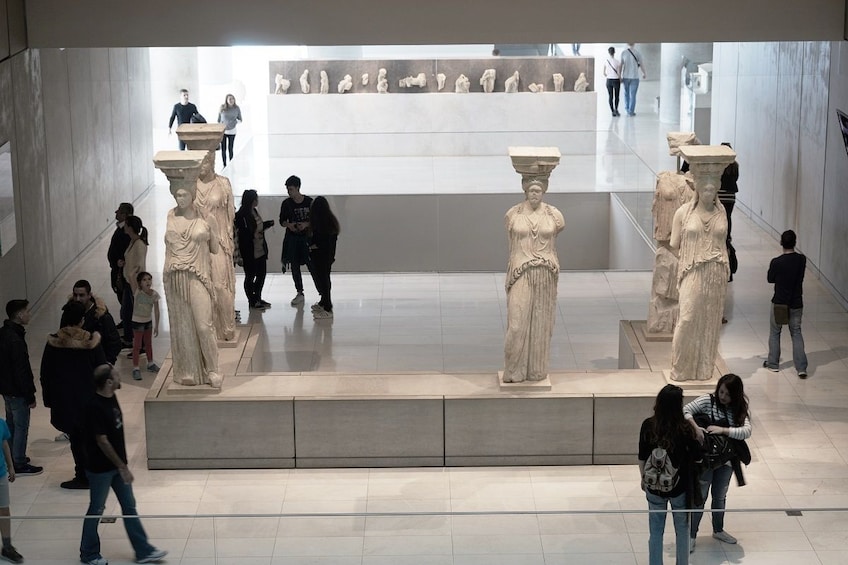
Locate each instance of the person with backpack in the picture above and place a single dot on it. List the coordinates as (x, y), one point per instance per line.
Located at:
(726, 413)
(667, 452)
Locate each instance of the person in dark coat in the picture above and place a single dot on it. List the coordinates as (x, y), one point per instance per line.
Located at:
(17, 384)
(67, 366)
(252, 248)
(117, 246)
(98, 319)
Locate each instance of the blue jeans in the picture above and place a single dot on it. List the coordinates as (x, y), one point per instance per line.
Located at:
(631, 86)
(799, 357)
(717, 480)
(99, 490)
(656, 527)
(17, 418)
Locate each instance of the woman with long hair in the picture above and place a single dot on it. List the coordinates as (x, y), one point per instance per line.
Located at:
(230, 115)
(667, 429)
(322, 251)
(612, 70)
(252, 248)
(728, 410)
(135, 261)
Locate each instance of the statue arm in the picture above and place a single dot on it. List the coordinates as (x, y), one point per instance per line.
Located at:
(677, 228)
(213, 234)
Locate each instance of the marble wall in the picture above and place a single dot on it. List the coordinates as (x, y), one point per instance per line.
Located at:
(79, 123)
(775, 102)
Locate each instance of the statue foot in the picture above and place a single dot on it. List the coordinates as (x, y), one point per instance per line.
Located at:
(536, 377)
(215, 380)
(185, 381)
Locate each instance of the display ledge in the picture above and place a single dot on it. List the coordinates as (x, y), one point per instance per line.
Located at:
(286, 420)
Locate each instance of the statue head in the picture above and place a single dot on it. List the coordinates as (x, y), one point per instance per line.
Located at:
(530, 180)
(184, 195)
(207, 167)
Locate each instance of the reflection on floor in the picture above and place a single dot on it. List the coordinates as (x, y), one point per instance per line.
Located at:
(447, 322)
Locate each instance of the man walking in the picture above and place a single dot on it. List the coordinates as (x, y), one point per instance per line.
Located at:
(106, 467)
(294, 216)
(632, 68)
(17, 384)
(182, 112)
(787, 273)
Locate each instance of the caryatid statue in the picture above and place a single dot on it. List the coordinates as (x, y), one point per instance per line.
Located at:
(190, 243)
(699, 235)
(672, 191)
(533, 268)
(215, 198)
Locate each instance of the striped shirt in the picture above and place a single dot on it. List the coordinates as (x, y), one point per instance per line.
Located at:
(703, 405)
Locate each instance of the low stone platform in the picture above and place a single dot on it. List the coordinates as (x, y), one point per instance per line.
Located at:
(286, 420)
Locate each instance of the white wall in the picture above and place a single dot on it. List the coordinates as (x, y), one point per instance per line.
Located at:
(775, 102)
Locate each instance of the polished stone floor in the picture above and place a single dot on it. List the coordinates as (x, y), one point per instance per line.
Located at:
(468, 516)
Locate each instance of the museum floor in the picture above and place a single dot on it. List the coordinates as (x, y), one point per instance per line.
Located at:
(462, 516)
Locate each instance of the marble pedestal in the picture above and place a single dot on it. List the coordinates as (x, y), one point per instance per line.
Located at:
(311, 420)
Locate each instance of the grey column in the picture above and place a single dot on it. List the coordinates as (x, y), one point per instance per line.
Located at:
(673, 58)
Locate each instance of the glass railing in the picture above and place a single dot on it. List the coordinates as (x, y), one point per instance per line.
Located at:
(765, 535)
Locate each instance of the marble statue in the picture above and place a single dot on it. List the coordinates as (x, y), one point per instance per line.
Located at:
(325, 83)
(419, 80)
(533, 268)
(581, 84)
(536, 87)
(304, 82)
(487, 81)
(283, 84)
(345, 84)
(440, 81)
(699, 234)
(678, 139)
(511, 84)
(672, 191)
(214, 199)
(559, 80)
(190, 243)
(382, 82)
(364, 79)
(462, 85)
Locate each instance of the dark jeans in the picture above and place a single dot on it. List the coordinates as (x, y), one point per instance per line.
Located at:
(728, 207)
(76, 438)
(613, 89)
(17, 418)
(117, 279)
(126, 311)
(321, 277)
(100, 483)
(182, 145)
(228, 139)
(298, 277)
(254, 279)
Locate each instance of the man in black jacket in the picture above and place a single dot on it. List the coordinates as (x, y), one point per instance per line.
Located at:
(17, 384)
(182, 112)
(98, 319)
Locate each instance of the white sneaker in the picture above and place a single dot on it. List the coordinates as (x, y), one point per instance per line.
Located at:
(316, 306)
(692, 545)
(298, 299)
(96, 561)
(155, 557)
(724, 536)
(62, 437)
(322, 315)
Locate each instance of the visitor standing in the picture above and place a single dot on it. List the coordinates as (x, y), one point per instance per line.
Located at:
(322, 250)
(786, 271)
(252, 248)
(117, 246)
(145, 323)
(294, 216)
(7, 475)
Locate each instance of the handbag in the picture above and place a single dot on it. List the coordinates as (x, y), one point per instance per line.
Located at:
(196, 118)
(717, 449)
(781, 314)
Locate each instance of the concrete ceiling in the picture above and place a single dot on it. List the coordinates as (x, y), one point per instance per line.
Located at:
(165, 23)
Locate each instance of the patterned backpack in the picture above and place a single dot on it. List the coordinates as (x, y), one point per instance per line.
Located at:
(660, 475)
